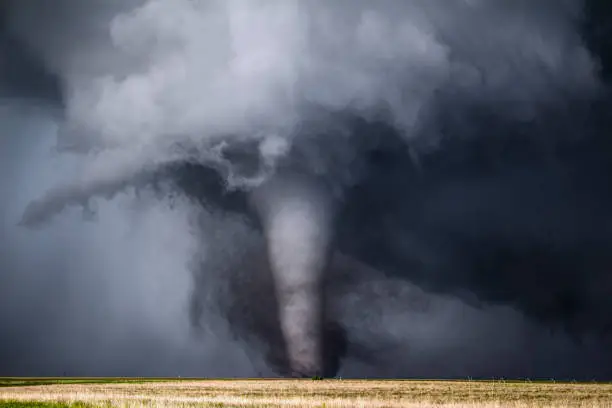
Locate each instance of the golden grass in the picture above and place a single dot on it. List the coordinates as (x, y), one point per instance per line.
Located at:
(327, 393)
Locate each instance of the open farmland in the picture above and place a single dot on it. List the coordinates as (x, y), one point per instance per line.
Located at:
(301, 393)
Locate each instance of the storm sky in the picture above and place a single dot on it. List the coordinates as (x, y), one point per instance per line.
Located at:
(465, 140)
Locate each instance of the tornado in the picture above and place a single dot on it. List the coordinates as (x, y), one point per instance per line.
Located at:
(297, 213)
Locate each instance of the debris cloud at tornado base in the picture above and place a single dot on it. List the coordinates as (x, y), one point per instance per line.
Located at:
(385, 103)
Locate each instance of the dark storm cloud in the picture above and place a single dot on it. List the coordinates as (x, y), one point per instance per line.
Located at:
(502, 222)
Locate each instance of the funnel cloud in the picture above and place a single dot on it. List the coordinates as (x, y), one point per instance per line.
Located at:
(300, 188)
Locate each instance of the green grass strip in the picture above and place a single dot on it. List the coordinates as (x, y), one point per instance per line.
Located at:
(36, 404)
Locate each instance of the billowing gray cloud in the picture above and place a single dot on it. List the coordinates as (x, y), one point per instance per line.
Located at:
(461, 142)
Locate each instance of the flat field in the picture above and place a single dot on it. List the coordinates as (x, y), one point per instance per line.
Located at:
(118, 392)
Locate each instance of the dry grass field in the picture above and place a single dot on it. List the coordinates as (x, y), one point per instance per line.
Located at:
(307, 393)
